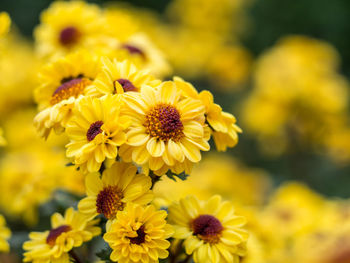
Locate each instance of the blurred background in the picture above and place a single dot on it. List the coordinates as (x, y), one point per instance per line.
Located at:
(281, 67)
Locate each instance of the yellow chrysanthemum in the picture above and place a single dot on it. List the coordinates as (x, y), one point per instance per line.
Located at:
(67, 232)
(62, 82)
(119, 185)
(5, 233)
(68, 26)
(141, 51)
(119, 77)
(222, 124)
(139, 235)
(167, 130)
(5, 23)
(2, 139)
(95, 131)
(211, 230)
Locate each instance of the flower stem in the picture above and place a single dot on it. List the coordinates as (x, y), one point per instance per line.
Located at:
(74, 257)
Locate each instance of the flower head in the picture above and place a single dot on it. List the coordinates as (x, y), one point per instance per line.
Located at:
(139, 235)
(167, 130)
(120, 77)
(119, 185)
(95, 131)
(211, 230)
(67, 232)
(2, 139)
(5, 23)
(62, 82)
(68, 26)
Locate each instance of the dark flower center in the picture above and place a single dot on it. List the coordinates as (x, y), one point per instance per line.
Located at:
(70, 88)
(109, 201)
(69, 35)
(134, 50)
(55, 233)
(94, 130)
(140, 236)
(207, 228)
(127, 85)
(164, 122)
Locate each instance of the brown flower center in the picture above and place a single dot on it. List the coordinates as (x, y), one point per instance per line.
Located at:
(140, 236)
(71, 88)
(109, 201)
(94, 130)
(126, 84)
(207, 228)
(134, 50)
(164, 123)
(55, 233)
(69, 36)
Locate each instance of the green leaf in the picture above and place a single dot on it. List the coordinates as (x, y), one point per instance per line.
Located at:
(183, 176)
(104, 254)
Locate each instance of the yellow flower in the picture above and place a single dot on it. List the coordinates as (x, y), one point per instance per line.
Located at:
(61, 83)
(67, 232)
(141, 51)
(167, 130)
(68, 26)
(95, 131)
(119, 185)
(211, 230)
(5, 23)
(139, 234)
(222, 124)
(119, 77)
(2, 139)
(5, 233)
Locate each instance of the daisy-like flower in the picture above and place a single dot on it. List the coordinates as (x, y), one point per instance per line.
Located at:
(62, 82)
(120, 77)
(68, 26)
(119, 185)
(211, 230)
(3, 141)
(167, 130)
(67, 232)
(5, 233)
(222, 124)
(139, 234)
(95, 131)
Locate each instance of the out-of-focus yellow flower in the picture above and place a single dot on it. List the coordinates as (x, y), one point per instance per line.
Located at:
(61, 83)
(119, 77)
(222, 124)
(120, 184)
(67, 232)
(68, 26)
(238, 183)
(5, 234)
(95, 131)
(3, 141)
(211, 230)
(298, 93)
(139, 235)
(5, 23)
(167, 130)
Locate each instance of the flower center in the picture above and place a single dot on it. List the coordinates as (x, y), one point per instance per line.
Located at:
(164, 122)
(55, 233)
(69, 35)
(207, 228)
(140, 236)
(94, 130)
(126, 84)
(70, 88)
(134, 50)
(109, 201)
